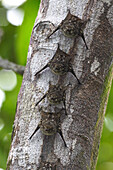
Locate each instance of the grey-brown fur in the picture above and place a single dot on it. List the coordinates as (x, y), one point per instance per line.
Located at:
(72, 27)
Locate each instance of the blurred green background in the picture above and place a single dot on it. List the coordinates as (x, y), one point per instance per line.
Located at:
(16, 22)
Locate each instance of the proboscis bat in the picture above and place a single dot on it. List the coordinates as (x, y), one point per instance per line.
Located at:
(49, 124)
(72, 27)
(60, 64)
(55, 95)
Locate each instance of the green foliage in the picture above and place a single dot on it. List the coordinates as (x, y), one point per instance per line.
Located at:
(105, 159)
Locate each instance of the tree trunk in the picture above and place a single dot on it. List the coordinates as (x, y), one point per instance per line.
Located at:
(85, 103)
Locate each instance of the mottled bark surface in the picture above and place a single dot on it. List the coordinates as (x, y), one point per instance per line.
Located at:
(86, 103)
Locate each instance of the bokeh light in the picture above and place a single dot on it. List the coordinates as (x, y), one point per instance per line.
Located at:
(8, 80)
(15, 16)
(12, 3)
(2, 97)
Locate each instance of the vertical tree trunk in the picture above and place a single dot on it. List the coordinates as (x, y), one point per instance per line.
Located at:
(85, 103)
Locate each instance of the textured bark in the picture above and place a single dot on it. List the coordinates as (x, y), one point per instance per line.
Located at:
(86, 103)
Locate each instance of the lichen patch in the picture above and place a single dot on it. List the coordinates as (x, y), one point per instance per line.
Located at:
(94, 67)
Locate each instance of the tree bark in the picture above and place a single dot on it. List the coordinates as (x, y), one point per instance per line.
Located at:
(85, 103)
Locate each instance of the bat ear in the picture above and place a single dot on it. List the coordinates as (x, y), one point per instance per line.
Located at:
(50, 84)
(58, 48)
(68, 14)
